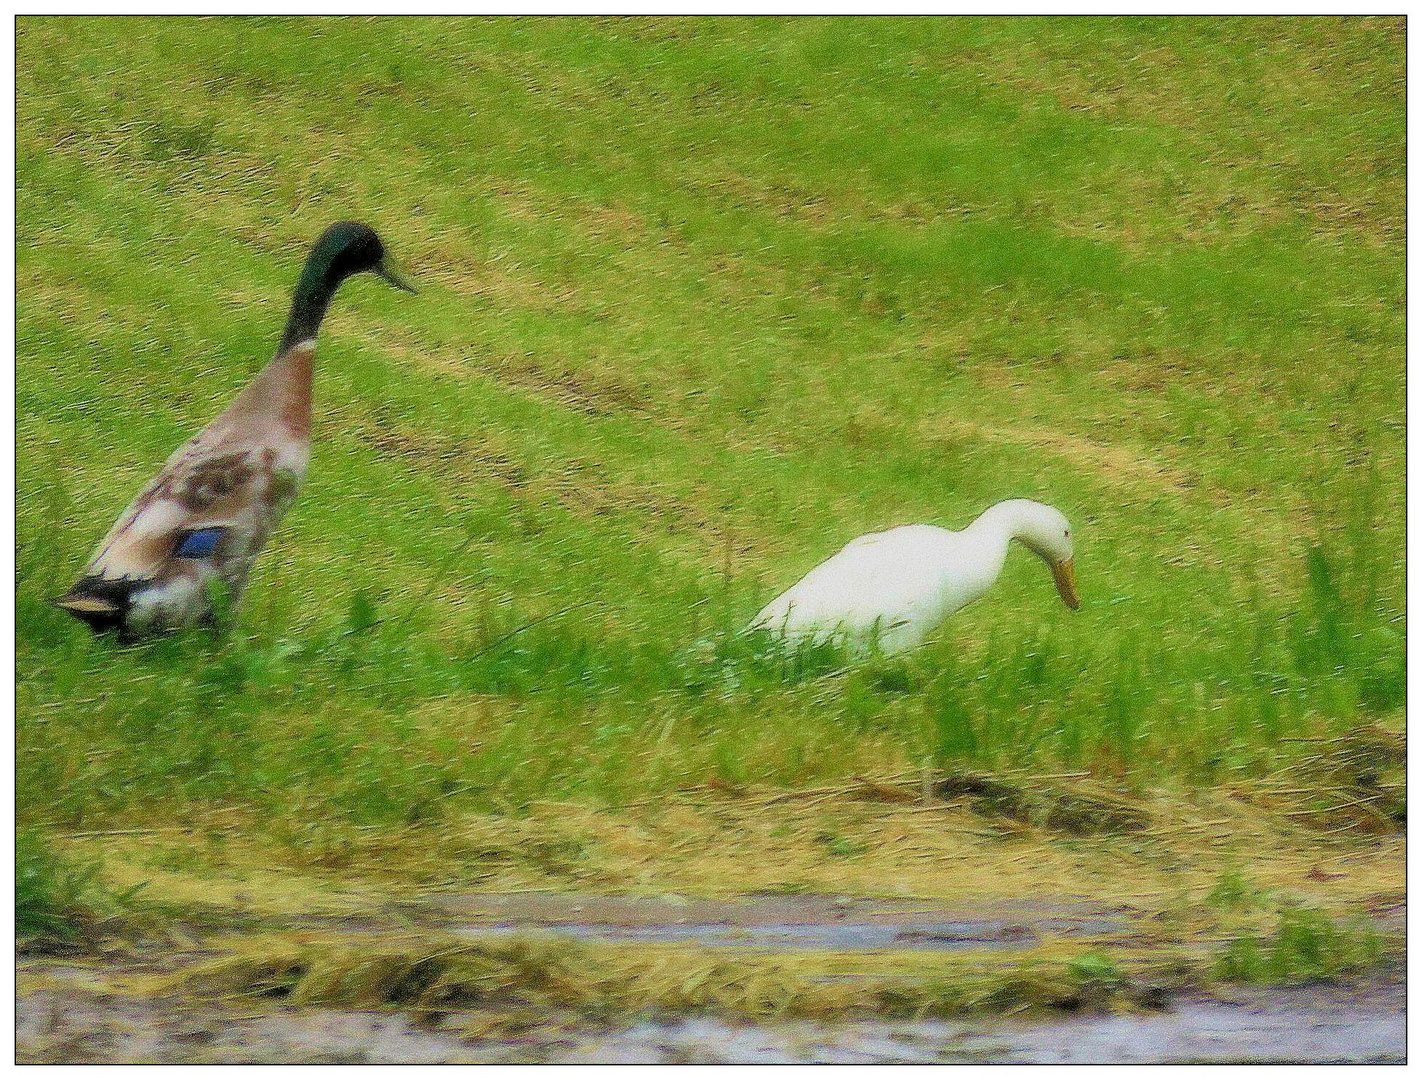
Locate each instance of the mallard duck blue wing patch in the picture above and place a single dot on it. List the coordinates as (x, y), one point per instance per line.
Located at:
(199, 543)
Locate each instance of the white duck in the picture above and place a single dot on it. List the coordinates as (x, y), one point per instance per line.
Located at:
(889, 590)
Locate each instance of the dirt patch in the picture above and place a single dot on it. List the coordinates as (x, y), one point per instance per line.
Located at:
(588, 487)
(448, 456)
(1355, 782)
(1289, 1026)
(781, 199)
(69, 1023)
(1072, 810)
(594, 394)
(1116, 464)
(584, 487)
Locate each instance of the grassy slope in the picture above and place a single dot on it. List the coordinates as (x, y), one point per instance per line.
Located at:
(701, 301)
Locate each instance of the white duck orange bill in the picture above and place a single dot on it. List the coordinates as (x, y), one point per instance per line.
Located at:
(1065, 575)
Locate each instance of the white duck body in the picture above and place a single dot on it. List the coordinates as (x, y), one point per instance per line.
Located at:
(890, 590)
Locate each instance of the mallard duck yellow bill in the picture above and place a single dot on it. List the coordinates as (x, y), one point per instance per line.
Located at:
(391, 272)
(1065, 575)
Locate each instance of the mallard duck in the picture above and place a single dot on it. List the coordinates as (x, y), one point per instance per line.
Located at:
(196, 529)
(889, 590)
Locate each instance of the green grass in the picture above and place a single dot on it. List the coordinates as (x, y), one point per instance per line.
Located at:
(702, 300)
(1305, 946)
(55, 900)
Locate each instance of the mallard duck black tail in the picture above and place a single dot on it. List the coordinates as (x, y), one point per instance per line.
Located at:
(102, 603)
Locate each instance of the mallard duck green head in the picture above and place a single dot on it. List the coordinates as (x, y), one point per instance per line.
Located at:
(346, 248)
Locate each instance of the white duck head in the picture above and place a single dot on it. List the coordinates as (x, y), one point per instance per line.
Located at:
(1043, 530)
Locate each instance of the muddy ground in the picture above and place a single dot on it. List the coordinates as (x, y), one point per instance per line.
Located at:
(77, 1024)
(75, 1010)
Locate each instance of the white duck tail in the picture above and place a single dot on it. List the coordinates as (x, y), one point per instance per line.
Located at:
(890, 590)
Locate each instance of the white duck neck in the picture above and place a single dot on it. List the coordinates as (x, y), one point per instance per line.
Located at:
(1009, 518)
(1013, 519)
(987, 539)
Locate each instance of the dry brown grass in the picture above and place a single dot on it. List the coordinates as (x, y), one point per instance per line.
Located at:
(976, 839)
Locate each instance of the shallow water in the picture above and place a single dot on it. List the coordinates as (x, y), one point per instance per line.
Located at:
(842, 937)
(839, 924)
